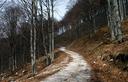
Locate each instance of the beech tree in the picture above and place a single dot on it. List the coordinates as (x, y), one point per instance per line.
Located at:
(52, 29)
(114, 19)
(49, 5)
(33, 35)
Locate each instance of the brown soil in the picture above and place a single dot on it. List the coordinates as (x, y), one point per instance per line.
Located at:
(25, 75)
(97, 51)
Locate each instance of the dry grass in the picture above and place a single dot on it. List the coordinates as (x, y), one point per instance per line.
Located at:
(42, 71)
(103, 70)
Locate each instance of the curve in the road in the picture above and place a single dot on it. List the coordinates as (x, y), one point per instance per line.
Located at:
(76, 71)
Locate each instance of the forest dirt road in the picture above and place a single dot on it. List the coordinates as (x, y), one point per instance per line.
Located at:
(76, 71)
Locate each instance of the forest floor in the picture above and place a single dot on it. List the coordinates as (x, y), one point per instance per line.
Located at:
(108, 59)
(25, 75)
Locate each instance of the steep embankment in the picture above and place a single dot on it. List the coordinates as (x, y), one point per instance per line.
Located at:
(109, 60)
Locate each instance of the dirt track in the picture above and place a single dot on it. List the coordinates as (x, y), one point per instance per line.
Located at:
(76, 71)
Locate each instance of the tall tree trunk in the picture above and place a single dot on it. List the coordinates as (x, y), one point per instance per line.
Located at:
(43, 33)
(110, 22)
(33, 36)
(49, 55)
(52, 42)
(121, 10)
(114, 20)
(124, 8)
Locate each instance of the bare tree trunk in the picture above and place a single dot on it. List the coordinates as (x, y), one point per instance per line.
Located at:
(124, 8)
(33, 36)
(120, 7)
(114, 20)
(110, 22)
(52, 44)
(43, 33)
(49, 55)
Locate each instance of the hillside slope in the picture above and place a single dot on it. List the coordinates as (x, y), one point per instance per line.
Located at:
(108, 59)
